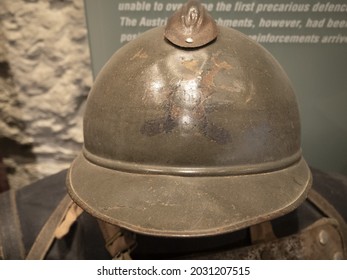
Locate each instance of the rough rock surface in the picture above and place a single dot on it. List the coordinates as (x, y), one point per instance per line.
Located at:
(45, 76)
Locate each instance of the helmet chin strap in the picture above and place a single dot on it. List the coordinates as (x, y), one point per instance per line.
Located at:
(262, 232)
(118, 241)
(57, 226)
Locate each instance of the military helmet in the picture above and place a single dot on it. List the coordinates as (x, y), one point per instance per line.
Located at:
(191, 129)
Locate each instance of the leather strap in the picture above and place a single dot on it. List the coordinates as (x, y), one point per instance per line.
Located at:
(262, 232)
(47, 234)
(324, 206)
(119, 242)
(11, 242)
(300, 246)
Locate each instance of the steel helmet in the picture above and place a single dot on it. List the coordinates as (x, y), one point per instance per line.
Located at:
(190, 130)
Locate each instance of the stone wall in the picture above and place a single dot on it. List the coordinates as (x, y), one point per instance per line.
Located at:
(45, 76)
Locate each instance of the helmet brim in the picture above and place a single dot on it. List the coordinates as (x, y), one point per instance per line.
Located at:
(181, 206)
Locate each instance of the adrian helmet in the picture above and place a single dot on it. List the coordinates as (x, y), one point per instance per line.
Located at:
(191, 129)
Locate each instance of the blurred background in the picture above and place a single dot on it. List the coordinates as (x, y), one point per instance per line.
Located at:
(45, 76)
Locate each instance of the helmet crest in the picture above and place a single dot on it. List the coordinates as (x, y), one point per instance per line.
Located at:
(191, 26)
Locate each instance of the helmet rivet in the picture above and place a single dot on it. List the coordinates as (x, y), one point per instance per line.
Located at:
(189, 40)
(323, 237)
(338, 256)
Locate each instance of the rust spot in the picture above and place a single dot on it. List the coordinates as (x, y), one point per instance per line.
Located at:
(191, 65)
(208, 78)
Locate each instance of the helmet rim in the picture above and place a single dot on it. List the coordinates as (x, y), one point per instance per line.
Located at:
(177, 206)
